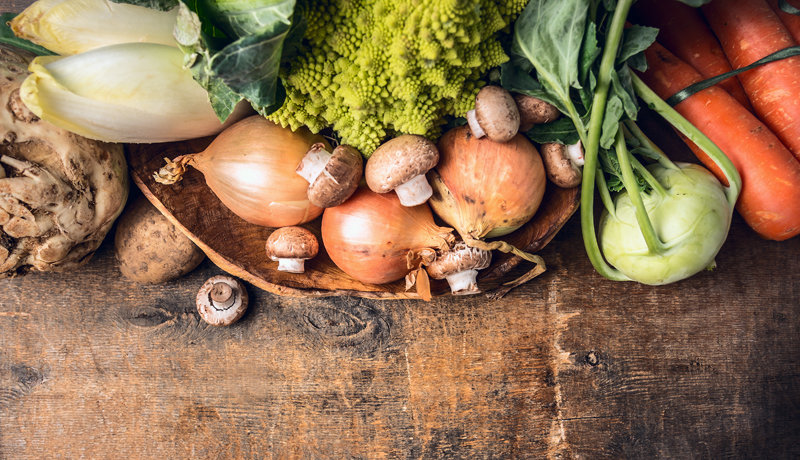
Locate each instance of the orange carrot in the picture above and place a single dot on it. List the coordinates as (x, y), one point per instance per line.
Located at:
(770, 198)
(791, 21)
(748, 31)
(684, 32)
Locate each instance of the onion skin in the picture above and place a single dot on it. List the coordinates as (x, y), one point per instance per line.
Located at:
(251, 168)
(483, 188)
(372, 237)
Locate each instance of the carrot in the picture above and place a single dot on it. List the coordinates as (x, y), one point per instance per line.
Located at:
(791, 21)
(748, 31)
(770, 198)
(684, 32)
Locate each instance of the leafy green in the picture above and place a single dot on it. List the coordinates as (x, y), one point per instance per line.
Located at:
(7, 36)
(234, 47)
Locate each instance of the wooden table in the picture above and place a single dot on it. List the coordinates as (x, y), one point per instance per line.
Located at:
(569, 365)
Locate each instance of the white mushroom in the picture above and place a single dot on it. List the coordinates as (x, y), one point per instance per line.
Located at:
(222, 300)
(562, 163)
(291, 247)
(400, 165)
(495, 115)
(459, 266)
(332, 176)
(534, 111)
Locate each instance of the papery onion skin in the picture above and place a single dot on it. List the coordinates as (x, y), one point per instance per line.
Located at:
(253, 155)
(370, 235)
(483, 188)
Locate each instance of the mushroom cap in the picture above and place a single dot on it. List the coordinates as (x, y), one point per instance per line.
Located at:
(558, 167)
(292, 243)
(461, 257)
(397, 161)
(497, 113)
(339, 179)
(221, 316)
(534, 111)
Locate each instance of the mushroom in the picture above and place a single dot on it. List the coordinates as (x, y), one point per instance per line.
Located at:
(495, 115)
(332, 176)
(562, 163)
(460, 267)
(291, 247)
(534, 111)
(400, 165)
(221, 300)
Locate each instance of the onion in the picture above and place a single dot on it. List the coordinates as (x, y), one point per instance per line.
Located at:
(375, 239)
(486, 189)
(250, 167)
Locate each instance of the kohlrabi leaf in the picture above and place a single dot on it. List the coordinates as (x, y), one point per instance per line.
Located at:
(7, 36)
(621, 86)
(613, 115)
(590, 50)
(635, 40)
(549, 33)
(561, 130)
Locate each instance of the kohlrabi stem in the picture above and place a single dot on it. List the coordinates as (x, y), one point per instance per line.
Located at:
(648, 176)
(654, 244)
(663, 159)
(695, 135)
(592, 143)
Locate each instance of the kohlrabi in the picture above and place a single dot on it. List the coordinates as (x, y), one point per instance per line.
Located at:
(667, 221)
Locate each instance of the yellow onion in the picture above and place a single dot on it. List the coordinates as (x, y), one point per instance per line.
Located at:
(487, 189)
(250, 167)
(375, 239)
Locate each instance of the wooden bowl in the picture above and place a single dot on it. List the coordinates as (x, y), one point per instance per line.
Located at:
(237, 246)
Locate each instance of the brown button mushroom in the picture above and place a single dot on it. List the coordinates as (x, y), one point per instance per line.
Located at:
(534, 111)
(291, 247)
(460, 267)
(222, 300)
(495, 115)
(400, 165)
(562, 163)
(332, 177)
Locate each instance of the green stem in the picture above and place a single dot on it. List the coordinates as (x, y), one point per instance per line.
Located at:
(654, 244)
(648, 176)
(695, 135)
(663, 159)
(592, 144)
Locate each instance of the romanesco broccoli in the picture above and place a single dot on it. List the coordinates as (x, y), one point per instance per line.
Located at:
(372, 68)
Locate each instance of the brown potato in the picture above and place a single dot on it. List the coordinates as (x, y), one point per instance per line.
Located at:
(150, 249)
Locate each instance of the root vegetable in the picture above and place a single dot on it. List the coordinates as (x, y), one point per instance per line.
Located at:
(150, 249)
(59, 193)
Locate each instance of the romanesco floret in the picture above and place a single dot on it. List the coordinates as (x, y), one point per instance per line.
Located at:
(374, 68)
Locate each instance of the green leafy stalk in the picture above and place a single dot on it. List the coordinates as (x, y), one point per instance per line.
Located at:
(695, 135)
(592, 145)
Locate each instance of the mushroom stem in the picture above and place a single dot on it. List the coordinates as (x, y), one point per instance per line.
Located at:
(313, 163)
(291, 265)
(463, 282)
(575, 153)
(222, 296)
(414, 192)
(474, 126)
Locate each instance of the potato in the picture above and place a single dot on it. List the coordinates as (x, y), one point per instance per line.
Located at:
(150, 249)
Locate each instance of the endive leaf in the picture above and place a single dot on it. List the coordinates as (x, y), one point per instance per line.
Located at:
(134, 92)
(74, 26)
